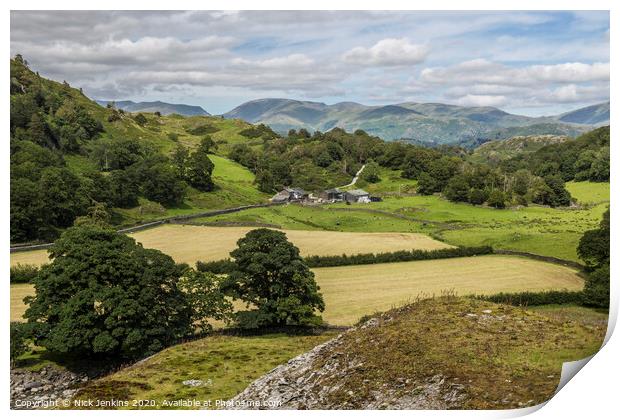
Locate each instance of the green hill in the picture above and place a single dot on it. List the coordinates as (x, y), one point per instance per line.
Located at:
(71, 157)
(494, 151)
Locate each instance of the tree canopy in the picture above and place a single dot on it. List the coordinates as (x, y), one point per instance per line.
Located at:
(270, 275)
(104, 294)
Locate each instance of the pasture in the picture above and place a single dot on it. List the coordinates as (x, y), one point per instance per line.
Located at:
(587, 192)
(187, 243)
(351, 292)
(537, 229)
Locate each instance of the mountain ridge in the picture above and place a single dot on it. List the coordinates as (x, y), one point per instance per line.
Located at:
(427, 122)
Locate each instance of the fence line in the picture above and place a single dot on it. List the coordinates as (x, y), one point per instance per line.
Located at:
(544, 258)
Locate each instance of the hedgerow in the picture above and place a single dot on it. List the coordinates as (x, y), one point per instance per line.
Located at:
(548, 297)
(316, 261)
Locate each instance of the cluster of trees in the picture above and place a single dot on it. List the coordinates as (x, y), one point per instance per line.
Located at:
(195, 167)
(584, 159)
(260, 130)
(47, 197)
(49, 123)
(594, 249)
(319, 160)
(105, 295)
(45, 116)
(448, 171)
(310, 161)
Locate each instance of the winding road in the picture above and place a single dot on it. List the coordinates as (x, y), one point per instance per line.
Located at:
(357, 175)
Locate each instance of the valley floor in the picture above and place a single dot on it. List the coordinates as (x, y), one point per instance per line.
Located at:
(351, 292)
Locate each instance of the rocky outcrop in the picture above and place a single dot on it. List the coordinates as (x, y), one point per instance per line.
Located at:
(313, 379)
(37, 389)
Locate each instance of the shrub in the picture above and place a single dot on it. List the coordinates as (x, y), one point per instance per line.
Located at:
(216, 267)
(497, 199)
(227, 266)
(19, 335)
(140, 120)
(477, 196)
(23, 273)
(596, 289)
(201, 130)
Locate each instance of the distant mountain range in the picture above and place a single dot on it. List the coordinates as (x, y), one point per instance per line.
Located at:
(157, 106)
(417, 122)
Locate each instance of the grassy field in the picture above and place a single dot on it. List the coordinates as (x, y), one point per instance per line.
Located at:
(589, 192)
(573, 313)
(225, 364)
(390, 182)
(351, 292)
(234, 186)
(18, 293)
(187, 243)
(321, 218)
(537, 229)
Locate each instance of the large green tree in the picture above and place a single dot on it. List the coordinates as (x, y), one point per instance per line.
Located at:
(200, 166)
(271, 276)
(594, 249)
(104, 294)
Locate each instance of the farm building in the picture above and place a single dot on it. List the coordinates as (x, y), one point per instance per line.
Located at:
(333, 194)
(357, 196)
(289, 194)
(281, 197)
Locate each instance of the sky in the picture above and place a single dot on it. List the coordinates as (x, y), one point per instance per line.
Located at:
(531, 63)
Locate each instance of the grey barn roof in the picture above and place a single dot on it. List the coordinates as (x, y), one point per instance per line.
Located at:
(357, 192)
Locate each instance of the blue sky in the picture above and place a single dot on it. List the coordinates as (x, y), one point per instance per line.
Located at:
(532, 63)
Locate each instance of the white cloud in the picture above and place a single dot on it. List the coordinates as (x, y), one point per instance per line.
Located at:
(487, 72)
(293, 61)
(482, 100)
(387, 53)
(331, 56)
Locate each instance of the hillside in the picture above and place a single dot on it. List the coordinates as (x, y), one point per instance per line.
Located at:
(163, 108)
(445, 353)
(71, 157)
(494, 151)
(421, 122)
(595, 114)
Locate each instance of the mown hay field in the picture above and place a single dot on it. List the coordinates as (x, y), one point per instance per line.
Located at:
(186, 243)
(351, 292)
